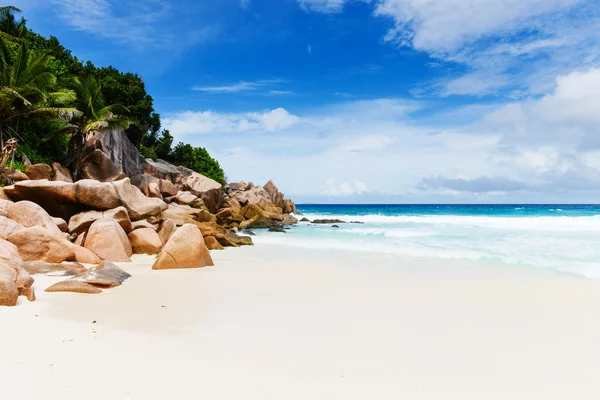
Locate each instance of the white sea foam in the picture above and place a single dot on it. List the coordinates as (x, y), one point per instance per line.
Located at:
(562, 243)
(562, 223)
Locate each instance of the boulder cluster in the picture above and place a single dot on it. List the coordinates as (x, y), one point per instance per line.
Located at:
(114, 203)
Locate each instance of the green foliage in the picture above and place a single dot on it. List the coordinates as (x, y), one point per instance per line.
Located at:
(198, 159)
(50, 101)
(16, 166)
(28, 89)
(148, 152)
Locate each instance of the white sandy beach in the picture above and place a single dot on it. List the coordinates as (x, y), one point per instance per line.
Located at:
(272, 322)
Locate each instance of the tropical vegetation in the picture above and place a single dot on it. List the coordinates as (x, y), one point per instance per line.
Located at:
(51, 101)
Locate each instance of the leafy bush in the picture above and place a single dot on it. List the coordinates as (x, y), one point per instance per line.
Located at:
(198, 159)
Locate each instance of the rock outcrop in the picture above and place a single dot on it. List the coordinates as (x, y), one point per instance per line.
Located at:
(118, 148)
(98, 166)
(210, 191)
(61, 173)
(164, 170)
(274, 193)
(185, 249)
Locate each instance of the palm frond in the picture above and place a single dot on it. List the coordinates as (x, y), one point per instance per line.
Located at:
(67, 113)
(63, 96)
(14, 94)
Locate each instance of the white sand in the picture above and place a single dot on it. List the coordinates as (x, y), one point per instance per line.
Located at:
(279, 323)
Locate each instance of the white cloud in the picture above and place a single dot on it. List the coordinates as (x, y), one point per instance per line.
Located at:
(208, 122)
(568, 117)
(244, 4)
(440, 26)
(536, 150)
(335, 189)
(325, 6)
(515, 46)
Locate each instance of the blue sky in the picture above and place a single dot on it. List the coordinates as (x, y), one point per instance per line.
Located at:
(365, 100)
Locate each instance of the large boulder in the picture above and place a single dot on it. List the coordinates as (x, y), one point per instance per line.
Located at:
(269, 207)
(274, 193)
(142, 224)
(63, 199)
(164, 170)
(29, 214)
(8, 227)
(4, 206)
(38, 171)
(289, 207)
(108, 240)
(143, 183)
(185, 249)
(15, 176)
(3, 195)
(14, 280)
(61, 173)
(166, 230)
(167, 188)
(97, 166)
(212, 243)
(210, 191)
(39, 244)
(188, 199)
(61, 224)
(118, 148)
(145, 241)
(81, 222)
(9, 293)
(85, 256)
(251, 196)
(154, 187)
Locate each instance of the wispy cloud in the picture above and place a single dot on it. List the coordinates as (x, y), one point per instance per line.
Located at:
(325, 6)
(279, 92)
(142, 24)
(242, 86)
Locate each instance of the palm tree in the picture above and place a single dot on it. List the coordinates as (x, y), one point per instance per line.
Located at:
(95, 116)
(11, 28)
(26, 88)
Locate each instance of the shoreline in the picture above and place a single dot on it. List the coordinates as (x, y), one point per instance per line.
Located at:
(274, 322)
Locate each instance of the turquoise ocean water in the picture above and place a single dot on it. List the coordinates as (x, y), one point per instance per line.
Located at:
(561, 237)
